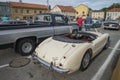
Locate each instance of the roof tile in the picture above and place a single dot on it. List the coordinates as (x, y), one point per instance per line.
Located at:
(66, 8)
(114, 10)
(28, 5)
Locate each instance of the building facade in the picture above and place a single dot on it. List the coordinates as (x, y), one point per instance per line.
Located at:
(68, 11)
(26, 11)
(113, 14)
(82, 10)
(97, 14)
(5, 9)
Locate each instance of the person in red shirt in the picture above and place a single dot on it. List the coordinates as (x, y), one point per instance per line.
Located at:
(80, 22)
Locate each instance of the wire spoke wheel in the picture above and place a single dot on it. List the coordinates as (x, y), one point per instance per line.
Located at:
(85, 61)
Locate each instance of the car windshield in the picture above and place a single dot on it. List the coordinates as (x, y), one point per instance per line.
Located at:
(112, 21)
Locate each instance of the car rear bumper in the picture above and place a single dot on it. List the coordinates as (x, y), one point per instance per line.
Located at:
(49, 66)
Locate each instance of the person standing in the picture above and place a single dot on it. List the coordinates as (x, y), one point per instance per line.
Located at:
(66, 19)
(80, 22)
(88, 23)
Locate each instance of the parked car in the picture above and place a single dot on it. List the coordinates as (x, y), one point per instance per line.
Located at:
(24, 38)
(111, 24)
(68, 53)
(96, 24)
(13, 22)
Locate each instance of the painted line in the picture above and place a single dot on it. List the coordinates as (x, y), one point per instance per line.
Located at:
(101, 71)
(112, 48)
(5, 65)
(29, 56)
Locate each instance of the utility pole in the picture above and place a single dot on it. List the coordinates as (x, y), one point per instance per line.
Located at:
(48, 6)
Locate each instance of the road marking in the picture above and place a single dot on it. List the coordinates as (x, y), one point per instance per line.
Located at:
(29, 56)
(101, 71)
(112, 48)
(5, 65)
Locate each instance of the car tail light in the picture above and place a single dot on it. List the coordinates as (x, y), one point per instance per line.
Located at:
(60, 64)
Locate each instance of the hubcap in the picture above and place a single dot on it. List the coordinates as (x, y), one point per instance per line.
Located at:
(26, 47)
(86, 60)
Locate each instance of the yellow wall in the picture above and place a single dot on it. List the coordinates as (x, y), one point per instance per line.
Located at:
(80, 9)
(20, 15)
(116, 72)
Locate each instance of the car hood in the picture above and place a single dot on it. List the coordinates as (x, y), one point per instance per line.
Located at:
(54, 51)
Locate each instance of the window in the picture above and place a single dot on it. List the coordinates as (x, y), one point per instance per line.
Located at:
(21, 10)
(35, 11)
(47, 18)
(40, 12)
(27, 11)
(43, 18)
(59, 19)
(16, 10)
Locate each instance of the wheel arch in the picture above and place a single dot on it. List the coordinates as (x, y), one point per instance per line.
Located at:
(88, 50)
(34, 38)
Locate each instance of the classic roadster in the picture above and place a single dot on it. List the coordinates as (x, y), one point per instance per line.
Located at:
(70, 52)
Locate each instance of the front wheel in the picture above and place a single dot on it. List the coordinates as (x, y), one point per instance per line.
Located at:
(85, 61)
(107, 44)
(25, 47)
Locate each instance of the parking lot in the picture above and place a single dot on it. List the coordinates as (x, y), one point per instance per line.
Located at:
(32, 71)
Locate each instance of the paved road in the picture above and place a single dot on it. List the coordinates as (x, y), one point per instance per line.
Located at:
(37, 72)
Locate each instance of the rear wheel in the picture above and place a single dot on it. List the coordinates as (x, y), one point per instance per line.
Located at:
(25, 47)
(85, 61)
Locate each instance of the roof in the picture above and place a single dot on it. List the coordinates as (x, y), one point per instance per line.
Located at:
(82, 5)
(97, 11)
(114, 10)
(28, 5)
(66, 8)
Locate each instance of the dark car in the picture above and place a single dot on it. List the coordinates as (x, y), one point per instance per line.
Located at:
(111, 25)
(96, 24)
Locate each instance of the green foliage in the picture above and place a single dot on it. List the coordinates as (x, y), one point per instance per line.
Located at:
(114, 5)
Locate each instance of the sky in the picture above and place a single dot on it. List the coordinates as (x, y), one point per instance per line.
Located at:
(93, 4)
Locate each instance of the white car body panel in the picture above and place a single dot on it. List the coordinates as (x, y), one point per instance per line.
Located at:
(69, 54)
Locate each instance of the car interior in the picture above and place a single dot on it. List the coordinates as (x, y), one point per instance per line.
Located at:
(82, 36)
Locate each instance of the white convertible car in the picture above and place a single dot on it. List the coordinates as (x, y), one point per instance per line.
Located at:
(68, 53)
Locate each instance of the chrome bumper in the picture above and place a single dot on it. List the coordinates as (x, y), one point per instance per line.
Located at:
(111, 27)
(50, 66)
